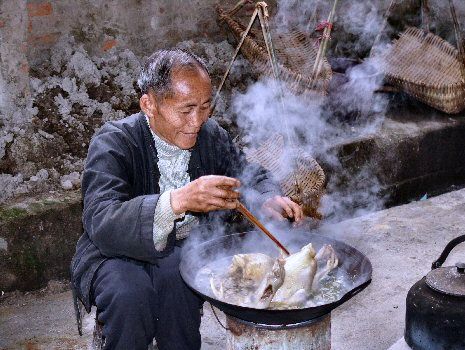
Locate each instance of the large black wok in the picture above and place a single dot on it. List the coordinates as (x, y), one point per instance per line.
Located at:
(353, 263)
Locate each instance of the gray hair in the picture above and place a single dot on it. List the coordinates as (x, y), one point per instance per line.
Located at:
(157, 70)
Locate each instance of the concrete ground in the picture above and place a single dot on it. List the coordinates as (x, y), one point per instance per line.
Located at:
(401, 243)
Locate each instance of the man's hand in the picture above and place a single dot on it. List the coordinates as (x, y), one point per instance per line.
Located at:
(205, 194)
(283, 207)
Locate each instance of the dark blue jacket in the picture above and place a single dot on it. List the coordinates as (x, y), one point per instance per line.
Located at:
(120, 192)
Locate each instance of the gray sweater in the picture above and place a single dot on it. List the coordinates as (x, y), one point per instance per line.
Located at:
(172, 165)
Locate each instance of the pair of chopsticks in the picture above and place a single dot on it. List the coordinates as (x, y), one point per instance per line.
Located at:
(244, 211)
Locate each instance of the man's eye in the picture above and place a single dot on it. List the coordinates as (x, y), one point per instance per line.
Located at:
(186, 111)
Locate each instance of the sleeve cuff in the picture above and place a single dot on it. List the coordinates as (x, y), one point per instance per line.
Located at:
(163, 221)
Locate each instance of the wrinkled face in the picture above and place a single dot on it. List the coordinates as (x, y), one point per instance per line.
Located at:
(178, 117)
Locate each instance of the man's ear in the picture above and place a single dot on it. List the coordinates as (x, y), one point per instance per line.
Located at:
(147, 104)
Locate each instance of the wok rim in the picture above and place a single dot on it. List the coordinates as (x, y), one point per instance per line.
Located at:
(243, 310)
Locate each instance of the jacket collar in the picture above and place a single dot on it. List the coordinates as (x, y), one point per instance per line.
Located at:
(195, 164)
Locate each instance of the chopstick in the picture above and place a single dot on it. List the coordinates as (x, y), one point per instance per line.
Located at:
(243, 210)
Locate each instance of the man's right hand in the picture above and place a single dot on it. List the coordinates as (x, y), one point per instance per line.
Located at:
(207, 193)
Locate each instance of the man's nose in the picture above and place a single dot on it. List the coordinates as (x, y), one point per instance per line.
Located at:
(197, 119)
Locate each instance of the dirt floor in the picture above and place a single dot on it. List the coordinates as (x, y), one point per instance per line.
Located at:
(45, 320)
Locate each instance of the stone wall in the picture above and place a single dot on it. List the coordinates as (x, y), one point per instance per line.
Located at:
(30, 28)
(37, 240)
(67, 67)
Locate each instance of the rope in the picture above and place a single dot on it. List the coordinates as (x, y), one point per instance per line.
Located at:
(425, 18)
(263, 17)
(320, 39)
(322, 25)
(244, 34)
(321, 28)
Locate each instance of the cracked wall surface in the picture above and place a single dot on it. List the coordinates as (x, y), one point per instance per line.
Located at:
(68, 67)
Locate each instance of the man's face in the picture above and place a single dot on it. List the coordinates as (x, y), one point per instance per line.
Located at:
(178, 117)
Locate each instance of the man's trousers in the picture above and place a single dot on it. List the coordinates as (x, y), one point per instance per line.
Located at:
(137, 301)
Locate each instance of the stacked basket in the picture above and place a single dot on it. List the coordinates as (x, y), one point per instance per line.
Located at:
(428, 68)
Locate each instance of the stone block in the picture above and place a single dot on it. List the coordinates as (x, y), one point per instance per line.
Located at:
(37, 240)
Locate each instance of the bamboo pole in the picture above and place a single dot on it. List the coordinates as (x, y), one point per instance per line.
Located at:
(323, 47)
(244, 211)
(263, 17)
(458, 38)
(244, 34)
(425, 18)
(386, 16)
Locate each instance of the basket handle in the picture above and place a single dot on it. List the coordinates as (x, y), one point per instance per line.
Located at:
(458, 38)
(445, 253)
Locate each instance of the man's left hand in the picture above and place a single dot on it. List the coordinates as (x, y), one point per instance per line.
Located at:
(283, 207)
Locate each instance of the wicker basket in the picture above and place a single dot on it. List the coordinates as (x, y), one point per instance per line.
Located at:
(428, 68)
(295, 53)
(304, 170)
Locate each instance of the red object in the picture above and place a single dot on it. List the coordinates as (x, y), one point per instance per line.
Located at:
(320, 28)
(322, 25)
(109, 44)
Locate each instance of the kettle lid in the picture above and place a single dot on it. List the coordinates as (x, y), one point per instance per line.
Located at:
(449, 280)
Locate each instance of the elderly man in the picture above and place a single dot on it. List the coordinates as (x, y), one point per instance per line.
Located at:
(148, 179)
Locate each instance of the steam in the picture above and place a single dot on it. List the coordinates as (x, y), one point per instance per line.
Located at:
(317, 125)
(260, 112)
(356, 24)
(311, 124)
(320, 126)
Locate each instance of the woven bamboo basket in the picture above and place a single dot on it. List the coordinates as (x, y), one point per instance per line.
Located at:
(428, 68)
(296, 56)
(304, 170)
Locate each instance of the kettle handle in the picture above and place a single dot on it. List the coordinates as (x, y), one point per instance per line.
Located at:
(451, 245)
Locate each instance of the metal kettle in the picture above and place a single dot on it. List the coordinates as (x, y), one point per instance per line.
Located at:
(435, 310)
